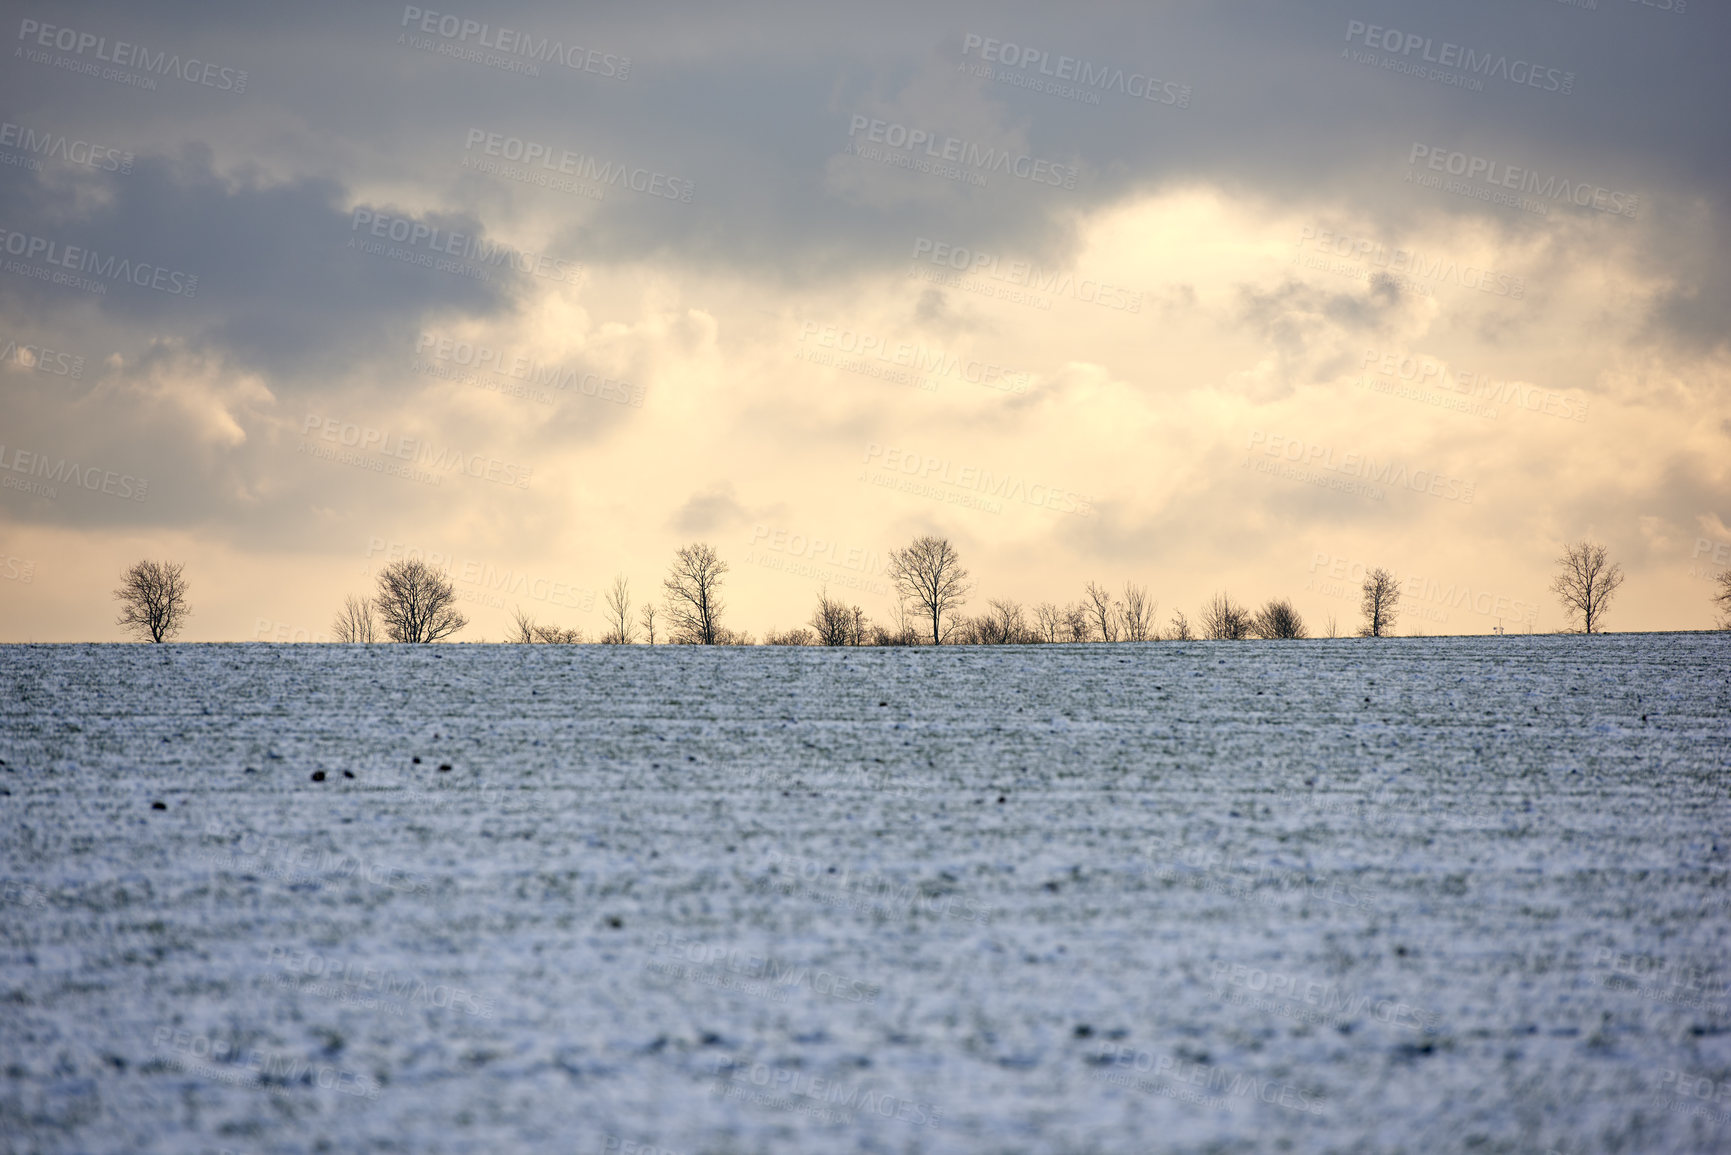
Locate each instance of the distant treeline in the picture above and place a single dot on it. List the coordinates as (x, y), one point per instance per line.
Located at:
(415, 602)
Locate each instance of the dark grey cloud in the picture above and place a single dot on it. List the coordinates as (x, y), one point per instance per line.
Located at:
(281, 285)
(711, 511)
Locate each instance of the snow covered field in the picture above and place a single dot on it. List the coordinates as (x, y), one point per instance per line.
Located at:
(1422, 895)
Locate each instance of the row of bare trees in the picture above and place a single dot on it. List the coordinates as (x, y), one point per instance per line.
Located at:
(414, 602)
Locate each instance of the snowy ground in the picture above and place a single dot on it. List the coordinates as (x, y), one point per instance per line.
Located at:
(1456, 895)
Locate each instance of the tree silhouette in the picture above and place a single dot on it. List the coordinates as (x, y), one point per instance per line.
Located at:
(1004, 625)
(355, 621)
(798, 636)
(1380, 604)
(1585, 582)
(152, 598)
(620, 631)
(1049, 620)
(835, 622)
(1102, 613)
(1278, 620)
(1181, 631)
(1225, 620)
(528, 632)
(694, 604)
(1138, 614)
(417, 603)
(929, 574)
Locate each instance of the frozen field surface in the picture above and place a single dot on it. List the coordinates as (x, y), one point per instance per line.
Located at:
(1418, 895)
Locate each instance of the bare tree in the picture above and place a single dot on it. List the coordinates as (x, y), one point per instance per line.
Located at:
(1278, 620)
(522, 629)
(1380, 604)
(647, 611)
(620, 631)
(1102, 613)
(1078, 626)
(417, 603)
(835, 622)
(526, 631)
(1138, 614)
(1004, 625)
(693, 588)
(1225, 620)
(798, 636)
(355, 621)
(1180, 631)
(862, 628)
(929, 575)
(1722, 599)
(1585, 582)
(152, 598)
(1330, 629)
(1049, 621)
(890, 636)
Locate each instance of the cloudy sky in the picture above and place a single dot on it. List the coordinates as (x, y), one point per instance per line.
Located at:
(1207, 296)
